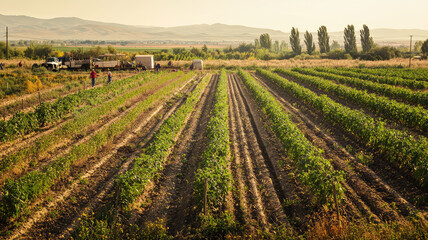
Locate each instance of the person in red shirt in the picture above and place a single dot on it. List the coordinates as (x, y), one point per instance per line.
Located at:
(93, 76)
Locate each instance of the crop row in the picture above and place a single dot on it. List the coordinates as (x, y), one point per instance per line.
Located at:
(17, 194)
(396, 81)
(420, 74)
(214, 160)
(46, 113)
(410, 116)
(313, 169)
(145, 167)
(79, 123)
(398, 146)
(406, 95)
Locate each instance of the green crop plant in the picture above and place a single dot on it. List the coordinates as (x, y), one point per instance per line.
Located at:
(18, 193)
(407, 115)
(214, 160)
(313, 170)
(398, 146)
(403, 94)
(395, 81)
(80, 122)
(145, 167)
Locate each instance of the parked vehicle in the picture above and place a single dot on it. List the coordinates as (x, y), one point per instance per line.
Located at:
(51, 63)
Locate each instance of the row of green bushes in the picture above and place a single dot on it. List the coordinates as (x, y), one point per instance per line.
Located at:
(313, 170)
(398, 146)
(17, 194)
(145, 167)
(214, 160)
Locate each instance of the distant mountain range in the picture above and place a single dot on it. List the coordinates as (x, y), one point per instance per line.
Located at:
(29, 28)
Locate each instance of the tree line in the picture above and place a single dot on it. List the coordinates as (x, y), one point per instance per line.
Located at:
(263, 48)
(369, 49)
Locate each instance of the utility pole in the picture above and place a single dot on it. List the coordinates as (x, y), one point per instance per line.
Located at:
(410, 58)
(7, 43)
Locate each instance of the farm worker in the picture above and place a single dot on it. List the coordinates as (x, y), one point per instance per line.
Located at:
(93, 76)
(20, 64)
(1, 66)
(158, 66)
(109, 76)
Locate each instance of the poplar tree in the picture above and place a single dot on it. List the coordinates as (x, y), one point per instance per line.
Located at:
(276, 46)
(366, 41)
(350, 40)
(283, 47)
(257, 43)
(295, 41)
(323, 40)
(310, 45)
(265, 41)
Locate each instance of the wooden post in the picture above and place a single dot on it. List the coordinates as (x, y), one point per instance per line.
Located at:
(40, 99)
(117, 201)
(4, 114)
(337, 206)
(22, 104)
(410, 58)
(205, 196)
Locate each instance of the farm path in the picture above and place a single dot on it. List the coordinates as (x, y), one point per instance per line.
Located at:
(255, 158)
(171, 197)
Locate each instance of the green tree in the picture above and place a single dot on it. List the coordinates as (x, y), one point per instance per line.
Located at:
(205, 48)
(295, 41)
(283, 47)
(310, 45)
(111, 49)
(323, 40)
(366, 41)
(424, 48)
(418, 45)
(265, 41)
(276, 47)
(350, 40)
(335, 45)
(257, 43)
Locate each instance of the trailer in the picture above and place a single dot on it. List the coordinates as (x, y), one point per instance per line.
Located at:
(111, 61)
(144, 61)
(84, 64)
(198, 64)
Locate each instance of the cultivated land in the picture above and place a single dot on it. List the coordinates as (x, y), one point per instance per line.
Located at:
(281, 153)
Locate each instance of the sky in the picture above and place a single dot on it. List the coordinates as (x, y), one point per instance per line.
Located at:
(273, 14)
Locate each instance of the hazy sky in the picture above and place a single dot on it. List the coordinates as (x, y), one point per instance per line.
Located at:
(274, 14)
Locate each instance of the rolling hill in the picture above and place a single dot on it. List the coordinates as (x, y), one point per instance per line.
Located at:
(29, 28)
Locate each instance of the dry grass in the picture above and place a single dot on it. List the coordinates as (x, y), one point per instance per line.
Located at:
(306, 63)
(26, 63)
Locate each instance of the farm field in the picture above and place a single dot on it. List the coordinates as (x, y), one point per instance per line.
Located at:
(258, 153)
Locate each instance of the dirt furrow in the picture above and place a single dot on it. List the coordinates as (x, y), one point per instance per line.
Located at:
(252, 195)
(265, 160)
(65, 146)
(10, 147)
(266, 192)
(378, 197)
(171, 196)
(356, 106)
(91, 181)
